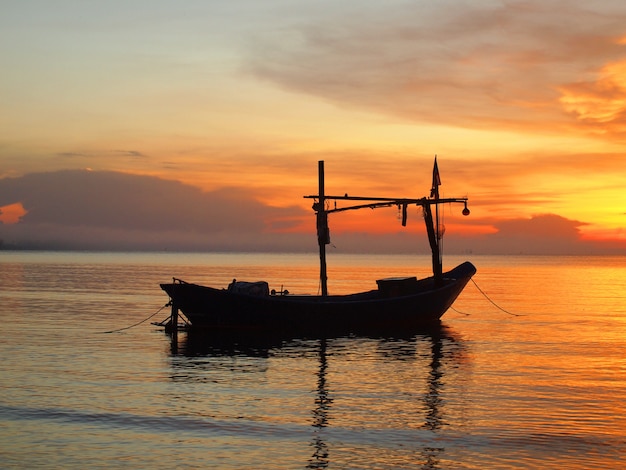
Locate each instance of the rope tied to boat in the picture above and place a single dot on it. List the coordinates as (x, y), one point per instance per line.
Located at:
(490, 300)
(138, 323)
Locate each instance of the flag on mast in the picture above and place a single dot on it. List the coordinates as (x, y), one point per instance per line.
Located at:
(434, 192)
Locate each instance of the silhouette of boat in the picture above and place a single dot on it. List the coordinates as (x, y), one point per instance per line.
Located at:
(397, 303)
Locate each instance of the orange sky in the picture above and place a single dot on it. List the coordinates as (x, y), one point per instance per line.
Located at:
(524, 102)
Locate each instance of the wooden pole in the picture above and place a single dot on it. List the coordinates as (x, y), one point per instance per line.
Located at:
(434, 245)
(323, 235)
(438, 238)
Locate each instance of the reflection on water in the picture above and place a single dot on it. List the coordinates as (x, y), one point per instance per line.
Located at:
(323, 401)
(427, 352)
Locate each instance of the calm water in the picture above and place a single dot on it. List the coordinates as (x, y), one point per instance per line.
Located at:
(546, 389)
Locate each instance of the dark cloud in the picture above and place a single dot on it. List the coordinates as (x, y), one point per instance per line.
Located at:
(467, 64)
(90, 208)
(72, 154)
(111, 153)
(541, 226)
(110, 210)
(543, 234)
(129, 153)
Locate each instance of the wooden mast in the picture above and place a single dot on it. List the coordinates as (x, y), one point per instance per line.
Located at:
(323, 233)
(434, 245)
(433, 227)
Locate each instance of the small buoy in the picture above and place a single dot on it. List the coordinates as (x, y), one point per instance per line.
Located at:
(466, 211)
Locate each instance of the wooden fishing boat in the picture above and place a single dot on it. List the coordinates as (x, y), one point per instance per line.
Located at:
(396, 303)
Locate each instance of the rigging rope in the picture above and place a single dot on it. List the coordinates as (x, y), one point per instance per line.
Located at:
(495, 304)
(458, 311)
(138, 323)
(490, 300)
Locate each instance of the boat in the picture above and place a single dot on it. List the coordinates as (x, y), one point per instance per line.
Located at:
(398, 303)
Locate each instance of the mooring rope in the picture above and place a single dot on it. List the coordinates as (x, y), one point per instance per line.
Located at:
(138, 323)
(495, 304)
(459, 312)
(490, 300)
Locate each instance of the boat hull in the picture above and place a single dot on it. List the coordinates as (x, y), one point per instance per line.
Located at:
(207, 307)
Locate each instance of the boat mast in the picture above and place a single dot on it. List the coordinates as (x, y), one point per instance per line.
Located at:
(323, 233)
(433, 228)
(434, 245)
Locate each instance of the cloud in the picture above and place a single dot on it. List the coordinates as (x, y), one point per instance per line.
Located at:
(12, 213)
(601, 103)
(79, 209)
(129, 153)
(513, 64)
(117, 210)
(103, 153)
(542, 234)
(72, 155)
(541, 226)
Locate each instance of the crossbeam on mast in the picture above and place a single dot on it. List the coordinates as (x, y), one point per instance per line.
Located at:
(385, 202)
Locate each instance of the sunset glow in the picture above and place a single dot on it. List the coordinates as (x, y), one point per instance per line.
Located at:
(524, 104)
(12, 213)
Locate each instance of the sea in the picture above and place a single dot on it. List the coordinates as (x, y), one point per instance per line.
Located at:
(526, 371)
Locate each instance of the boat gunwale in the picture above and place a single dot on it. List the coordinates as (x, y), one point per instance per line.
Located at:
(464, 270)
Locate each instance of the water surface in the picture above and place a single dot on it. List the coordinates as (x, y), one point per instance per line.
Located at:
(542, 385)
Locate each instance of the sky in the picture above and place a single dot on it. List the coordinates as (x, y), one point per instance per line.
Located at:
(198, 124)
